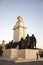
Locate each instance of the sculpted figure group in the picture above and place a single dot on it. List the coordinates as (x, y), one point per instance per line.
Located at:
(28, 43)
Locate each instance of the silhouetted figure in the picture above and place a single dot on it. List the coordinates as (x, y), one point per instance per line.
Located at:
(37, 56)
(15, 44)
(9, 45)
(27, 41)
(41, 53)
(22, 44)
(1, 51)
(33, 41)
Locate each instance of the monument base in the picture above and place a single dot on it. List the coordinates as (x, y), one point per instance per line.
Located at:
(20, 54)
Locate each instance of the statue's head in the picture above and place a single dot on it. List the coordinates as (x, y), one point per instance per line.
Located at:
(22, 38)
(19, 18)
(27, 34)
(32, 35)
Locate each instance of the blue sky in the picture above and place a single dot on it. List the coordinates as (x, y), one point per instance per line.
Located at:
(32, 12)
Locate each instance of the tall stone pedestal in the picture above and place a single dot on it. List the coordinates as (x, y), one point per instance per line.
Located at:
(19, 30)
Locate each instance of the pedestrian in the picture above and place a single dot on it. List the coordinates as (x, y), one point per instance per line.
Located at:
(37, 56)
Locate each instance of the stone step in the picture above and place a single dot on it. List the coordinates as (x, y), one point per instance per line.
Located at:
(27, 60)
(23, 60)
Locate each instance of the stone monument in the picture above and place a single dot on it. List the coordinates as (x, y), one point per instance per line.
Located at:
(26, 44)
(19, 30)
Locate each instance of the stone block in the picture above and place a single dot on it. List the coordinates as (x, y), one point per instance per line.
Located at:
(10, 53)
(31, 53)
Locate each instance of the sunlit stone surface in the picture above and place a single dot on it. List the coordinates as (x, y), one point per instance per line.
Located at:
(19, 29)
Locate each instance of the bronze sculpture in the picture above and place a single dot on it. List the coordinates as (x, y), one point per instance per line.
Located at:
(28, 43)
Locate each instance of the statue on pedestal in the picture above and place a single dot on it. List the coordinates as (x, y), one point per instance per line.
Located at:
(3, 45)
(19, 36)
(33, 41)
(22, 44)
(19, 18)
(27, 41)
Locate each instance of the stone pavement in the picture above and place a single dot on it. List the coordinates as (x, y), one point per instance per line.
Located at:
(6, 62)
(19, 60)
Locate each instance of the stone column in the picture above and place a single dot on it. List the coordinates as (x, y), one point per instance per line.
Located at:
(19, 30)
